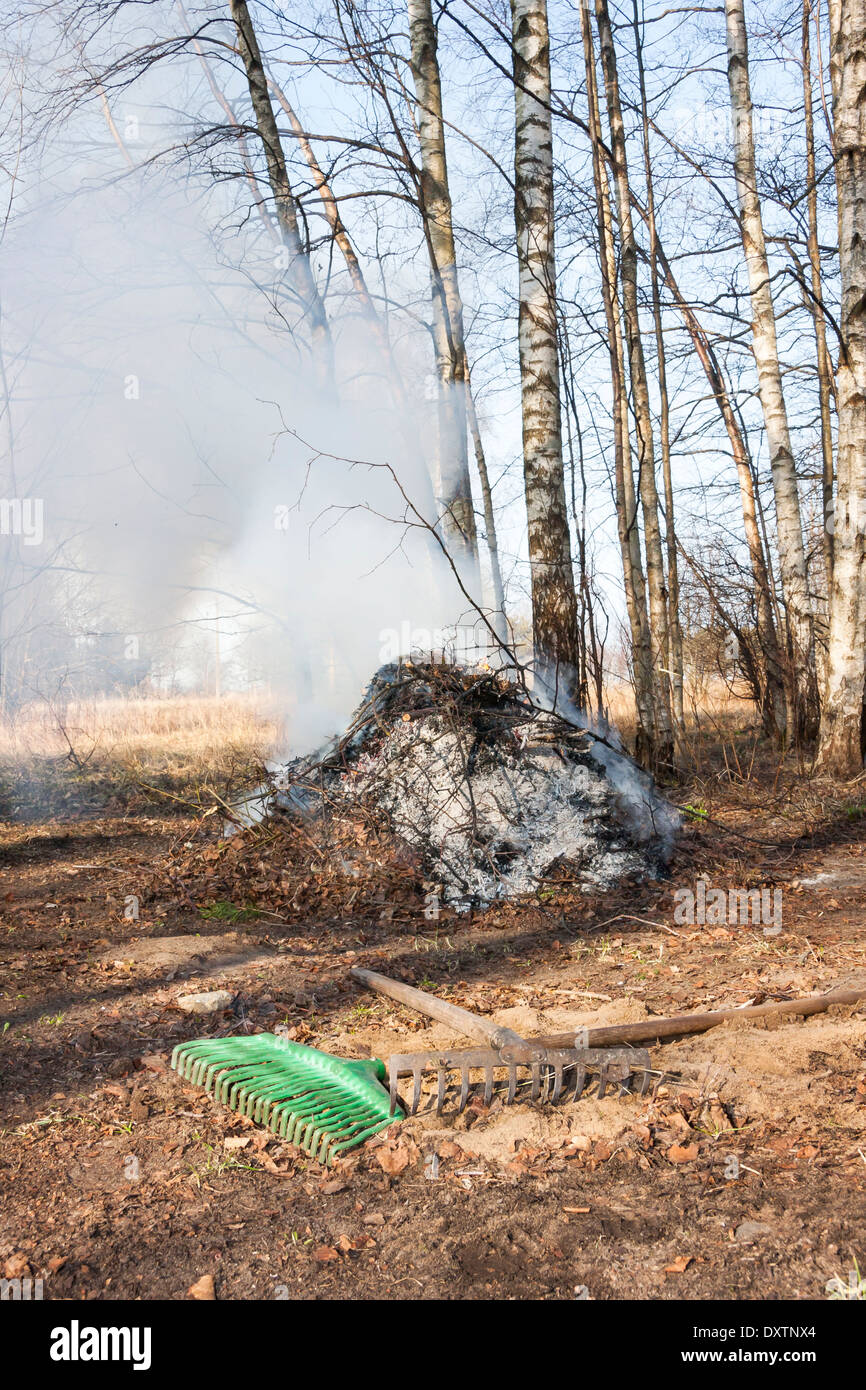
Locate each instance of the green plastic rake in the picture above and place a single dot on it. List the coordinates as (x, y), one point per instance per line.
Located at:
(322, 1104)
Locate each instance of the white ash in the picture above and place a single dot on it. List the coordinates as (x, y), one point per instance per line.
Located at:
(492, 817)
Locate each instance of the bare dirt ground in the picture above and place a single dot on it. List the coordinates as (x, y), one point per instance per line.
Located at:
(743, 1177)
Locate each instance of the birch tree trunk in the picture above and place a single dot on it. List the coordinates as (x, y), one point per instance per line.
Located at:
(300, 271)
(554, 604)
(824, 364)
(675, 633)
(448, 336)
(626, 505)
(792, 554)
(842, 718)
(655, 570)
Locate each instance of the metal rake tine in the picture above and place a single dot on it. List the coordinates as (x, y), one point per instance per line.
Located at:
(464, 1088)
(579, 1080)
(602, 1080)
(488, 1084)
(512, 1083)
(440, 1090)
(557, 1083)
(393, 1087)
(646, 1081)
(536, 1081)
(416, 1092)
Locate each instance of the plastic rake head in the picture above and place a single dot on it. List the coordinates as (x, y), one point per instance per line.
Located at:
(322, 1104)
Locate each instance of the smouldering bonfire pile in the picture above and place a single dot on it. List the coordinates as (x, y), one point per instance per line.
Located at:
(490, 791)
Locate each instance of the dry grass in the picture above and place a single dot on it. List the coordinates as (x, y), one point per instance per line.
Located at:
(176, 726)
(710, 704)
(120, 753)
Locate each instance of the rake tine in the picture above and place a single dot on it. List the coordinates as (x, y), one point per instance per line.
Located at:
(512, 1083)
(602, 1080)
(579, 1080)
(440, 1091)
(393, 1088)
(488, 1084)
(536, 1081)
(464, 1089)
(557, 1083)
(416, 1093)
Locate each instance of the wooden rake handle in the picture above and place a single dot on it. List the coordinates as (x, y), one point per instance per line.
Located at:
(662, 1029)
(647, 1030)
(483, 1030)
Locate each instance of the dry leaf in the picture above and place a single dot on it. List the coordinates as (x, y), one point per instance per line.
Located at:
(680, 1264)
(203, 1289)
(324, 1253)
(683, 1153)
(393, 1158)
(450, 1150)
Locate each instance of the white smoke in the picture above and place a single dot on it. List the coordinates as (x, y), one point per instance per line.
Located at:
(190, 473)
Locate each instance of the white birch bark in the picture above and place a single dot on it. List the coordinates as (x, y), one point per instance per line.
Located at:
(554, 605)
(841, 741)
(448, 336)
(792, 554)
(826, 383)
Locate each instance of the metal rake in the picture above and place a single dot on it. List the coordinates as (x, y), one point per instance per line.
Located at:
(509, 1066)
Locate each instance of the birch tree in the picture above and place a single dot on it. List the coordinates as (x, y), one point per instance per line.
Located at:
(792, 553)
(448, 335)
(842, 723)
(655, 571)
(675, 635)
(300, 271)
(624, 495)
(824, 364)
(554, 604)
